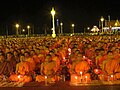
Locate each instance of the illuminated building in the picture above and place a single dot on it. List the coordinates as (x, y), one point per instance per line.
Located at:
(112, 26)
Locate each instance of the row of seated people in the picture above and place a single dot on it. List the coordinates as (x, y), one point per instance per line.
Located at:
(32, 69)
(51, 60)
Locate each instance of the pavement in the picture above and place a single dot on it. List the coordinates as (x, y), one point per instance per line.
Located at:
(63, 86)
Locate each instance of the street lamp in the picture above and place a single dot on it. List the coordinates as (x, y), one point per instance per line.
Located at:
(102, 19)
(17, 26)
(53, 14)
(61, 24)
(88, 28)
(28, 27)
(73, 25)
(23, 30)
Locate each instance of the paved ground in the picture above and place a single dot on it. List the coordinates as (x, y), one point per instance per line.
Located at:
(60, 86)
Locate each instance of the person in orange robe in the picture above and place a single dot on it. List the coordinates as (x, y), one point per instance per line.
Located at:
(116, 53)
(100, 58)
(31, 62)
(22, 71)
(57, 60)
(81, 69)
(90, 52)
(48, 68)
(41, 58)
(36, 59)
(22, 67)
(110, 68)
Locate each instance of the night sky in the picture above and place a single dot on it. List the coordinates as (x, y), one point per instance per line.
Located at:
(83, 13)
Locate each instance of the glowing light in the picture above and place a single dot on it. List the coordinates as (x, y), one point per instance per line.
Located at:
(23, 30)
(88, 28)
(83, 56)
(53, 35)
(69, 49)
(53, 21)
(17, 25)
(96, 70)
(45, 77)
(46, 81)
(63, 57)
(69, 53)
(19, 76)
(80, 72)
(61, 24)
(112, 28)
(71, 34)
(53, 11)
(102, 19)
(80, 76)
(117, 23)
(86, 79)
(76, 77)
(28, 27)
(94, 29)
(73, 25)
(111, 75)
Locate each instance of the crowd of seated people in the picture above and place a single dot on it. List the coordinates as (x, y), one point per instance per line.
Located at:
(33, 58)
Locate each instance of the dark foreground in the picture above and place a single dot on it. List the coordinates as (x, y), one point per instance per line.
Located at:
(62, 86)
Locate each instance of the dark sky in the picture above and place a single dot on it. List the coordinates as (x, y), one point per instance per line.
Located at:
(83, 13)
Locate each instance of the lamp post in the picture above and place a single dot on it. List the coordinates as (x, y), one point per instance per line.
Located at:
(102, 19)
(61, 24)
(28, 27)
(17, 26)
(53, 22)
(88, 29)
(73, 25)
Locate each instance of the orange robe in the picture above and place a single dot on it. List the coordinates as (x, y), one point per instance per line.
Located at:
(36, 59)
(20, 78)
(89, 53)
(48, 69)
(40, 78)
(41, 57)
(22, 68)
(100, 61)
(109, 68)
(83, 67)
(57, 61)
(31, 64)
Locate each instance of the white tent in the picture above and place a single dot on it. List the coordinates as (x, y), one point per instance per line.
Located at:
(95, 29)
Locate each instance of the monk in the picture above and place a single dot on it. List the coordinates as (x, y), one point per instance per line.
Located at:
(100, 58)
(10, 64)
(30, 60)
(48, 68)
(116, 53)
(2, 66)
(57, 61)
(110, 67)
(22, 71)
(22, 67)
(81, 69)
(90, 52)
